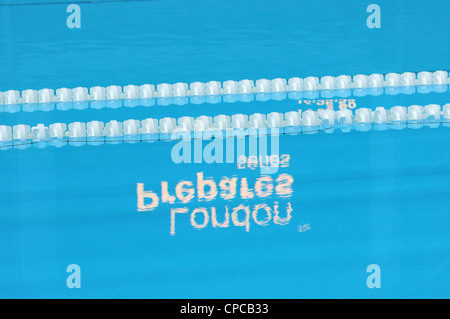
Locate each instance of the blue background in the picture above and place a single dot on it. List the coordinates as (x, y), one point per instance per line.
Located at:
(370, 197)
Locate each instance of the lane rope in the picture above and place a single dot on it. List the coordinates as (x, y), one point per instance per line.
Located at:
(168, 128)
(228, 91)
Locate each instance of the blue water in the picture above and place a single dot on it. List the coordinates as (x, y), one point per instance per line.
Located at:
(377, 197)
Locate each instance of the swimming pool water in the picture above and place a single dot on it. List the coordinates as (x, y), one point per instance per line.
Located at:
(358, 198)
